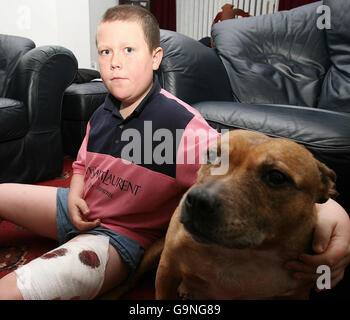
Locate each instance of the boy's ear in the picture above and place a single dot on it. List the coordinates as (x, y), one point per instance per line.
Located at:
(157, 57)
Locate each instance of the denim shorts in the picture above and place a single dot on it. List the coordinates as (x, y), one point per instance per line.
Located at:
(130, 250)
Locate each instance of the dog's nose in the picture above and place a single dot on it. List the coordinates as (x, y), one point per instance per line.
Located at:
(201, 203)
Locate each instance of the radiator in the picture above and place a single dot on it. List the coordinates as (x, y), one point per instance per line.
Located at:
(194, 17)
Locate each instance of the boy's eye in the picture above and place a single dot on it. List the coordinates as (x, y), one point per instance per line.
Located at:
(128, 50)
(104, 52)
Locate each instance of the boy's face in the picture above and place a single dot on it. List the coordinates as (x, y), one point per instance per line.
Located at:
(126, 63)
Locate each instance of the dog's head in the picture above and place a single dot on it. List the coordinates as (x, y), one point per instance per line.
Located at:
(269, 189)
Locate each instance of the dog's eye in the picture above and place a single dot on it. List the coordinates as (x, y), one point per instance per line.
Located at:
(275, 178)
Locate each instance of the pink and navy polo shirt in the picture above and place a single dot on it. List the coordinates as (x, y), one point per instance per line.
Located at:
(137, 169)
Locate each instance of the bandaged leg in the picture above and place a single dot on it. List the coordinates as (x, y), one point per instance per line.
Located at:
(74, 270)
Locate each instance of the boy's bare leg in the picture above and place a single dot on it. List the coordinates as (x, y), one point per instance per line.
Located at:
(9, 289)
(30, 206)
(116, 271)
(34, 207)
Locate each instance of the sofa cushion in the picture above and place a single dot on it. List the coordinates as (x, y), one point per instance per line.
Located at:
(336, 88)
(276, 58)
(13, 120)
(191, 71)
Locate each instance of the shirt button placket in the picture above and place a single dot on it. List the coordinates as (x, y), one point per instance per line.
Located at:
(120, 126)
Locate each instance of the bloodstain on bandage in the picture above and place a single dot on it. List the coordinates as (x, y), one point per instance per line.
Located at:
(89, 258)
(54, 254)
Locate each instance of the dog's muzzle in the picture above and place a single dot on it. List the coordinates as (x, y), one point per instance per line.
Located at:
(208, 220)
(200, 212)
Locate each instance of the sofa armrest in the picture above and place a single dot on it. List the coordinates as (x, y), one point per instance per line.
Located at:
(325, 133)
(191, 71)
(42, 76)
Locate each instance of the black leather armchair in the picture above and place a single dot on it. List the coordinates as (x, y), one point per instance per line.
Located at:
(278, 74)
(32, 83)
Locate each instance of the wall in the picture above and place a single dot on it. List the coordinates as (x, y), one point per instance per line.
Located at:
(73, 28)
(96, 10)
(69, 23)
(33, 19)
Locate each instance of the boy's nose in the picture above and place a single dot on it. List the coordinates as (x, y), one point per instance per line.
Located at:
(116, 62)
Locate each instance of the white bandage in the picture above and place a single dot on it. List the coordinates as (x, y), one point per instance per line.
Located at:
(74, 270)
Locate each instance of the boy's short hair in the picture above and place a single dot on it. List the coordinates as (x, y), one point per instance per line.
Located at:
(149, 23)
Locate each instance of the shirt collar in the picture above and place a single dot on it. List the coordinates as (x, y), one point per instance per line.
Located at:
(113, 105)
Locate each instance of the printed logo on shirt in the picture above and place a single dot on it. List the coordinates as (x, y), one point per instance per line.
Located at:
(107, 178)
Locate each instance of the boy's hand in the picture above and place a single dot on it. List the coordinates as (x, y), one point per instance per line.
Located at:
(79, 211)
(331, 244)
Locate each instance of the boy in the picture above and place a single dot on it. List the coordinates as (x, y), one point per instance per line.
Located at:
(114, 208)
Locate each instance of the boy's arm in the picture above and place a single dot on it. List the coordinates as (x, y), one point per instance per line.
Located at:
(79, 164)
(77, 207)
(331, 243)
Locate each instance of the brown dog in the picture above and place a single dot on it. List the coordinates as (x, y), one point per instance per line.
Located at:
(232, 233)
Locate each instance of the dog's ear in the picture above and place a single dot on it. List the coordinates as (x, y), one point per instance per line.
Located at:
(327, 187)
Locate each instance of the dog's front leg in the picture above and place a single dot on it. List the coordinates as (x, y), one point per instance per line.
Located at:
(168, 279)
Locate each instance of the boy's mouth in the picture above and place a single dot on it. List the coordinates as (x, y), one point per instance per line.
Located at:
(117, 78)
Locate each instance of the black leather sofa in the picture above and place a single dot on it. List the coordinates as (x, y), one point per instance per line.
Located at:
(278, 74)
(32, 83)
